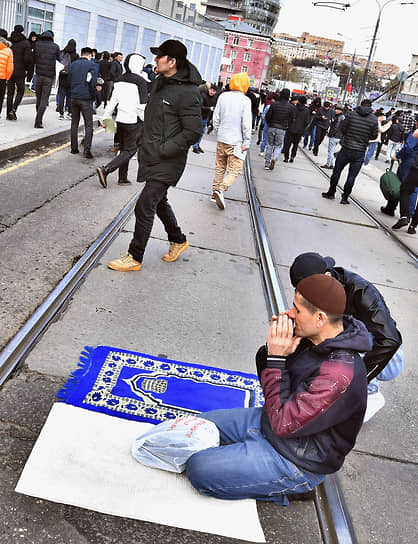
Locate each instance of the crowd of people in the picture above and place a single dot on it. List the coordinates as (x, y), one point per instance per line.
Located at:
(319, 366)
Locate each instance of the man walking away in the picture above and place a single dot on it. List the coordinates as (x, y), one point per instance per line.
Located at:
(129, 96)
(68, 56)
(45, 55)
(172, 123)
(395, 133)
(323, 119)
(280, 115)
(232, 120)
(23, 67)
(104, 72)
(334, 135)
(82, 79)
(297, 128)
(373, 144)
(408, 121)
(209, 98)
(358, 128)
(6, 64)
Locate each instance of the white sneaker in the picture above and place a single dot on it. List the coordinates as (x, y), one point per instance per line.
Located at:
(261, 153)
(375, 401)
(219, 197)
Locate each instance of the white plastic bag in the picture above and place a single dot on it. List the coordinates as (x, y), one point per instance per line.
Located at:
(169, 445)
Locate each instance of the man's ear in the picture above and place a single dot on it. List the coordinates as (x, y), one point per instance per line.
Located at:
(321, 318)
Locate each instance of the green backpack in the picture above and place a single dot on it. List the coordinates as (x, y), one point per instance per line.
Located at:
(390, 185)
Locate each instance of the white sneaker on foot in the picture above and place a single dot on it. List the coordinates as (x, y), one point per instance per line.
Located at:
(375, 401)
(219, 198)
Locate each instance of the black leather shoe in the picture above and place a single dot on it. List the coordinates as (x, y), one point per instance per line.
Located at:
(403, 221)
(195, 150)
(291, 159)
(328, 195)
(344, 200)
(412, 229)
(88, 155)
(200, 149)
(74, 151)
(385, 211)
(102, 173)
(38, 125)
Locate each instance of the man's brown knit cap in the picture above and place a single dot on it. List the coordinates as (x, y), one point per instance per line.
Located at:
(324, 292)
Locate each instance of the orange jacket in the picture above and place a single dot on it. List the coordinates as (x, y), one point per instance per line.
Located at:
(6, 60)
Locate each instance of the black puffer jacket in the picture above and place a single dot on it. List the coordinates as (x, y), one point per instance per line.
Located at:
(365, 303)
(335, 127)
(172, 123)
(22, 55)
(396, 132)
(358, 128)
(115, 71)
(45, 55)
(329, 114)
(302, 119)
(281, 114)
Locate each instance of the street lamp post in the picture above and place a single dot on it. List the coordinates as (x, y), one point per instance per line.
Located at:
(376, 28)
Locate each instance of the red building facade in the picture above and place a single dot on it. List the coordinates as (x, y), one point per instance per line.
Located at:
(245, 51)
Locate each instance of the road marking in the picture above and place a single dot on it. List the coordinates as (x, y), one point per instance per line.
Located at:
(33, 159)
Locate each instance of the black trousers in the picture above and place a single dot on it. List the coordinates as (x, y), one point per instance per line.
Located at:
(18, 84)
(107, 91)
(128, 135)
(3, 85)
(43, 90)
(151, 201)
(407, 188)
(292, 139)
(319, 137)
(85, 107)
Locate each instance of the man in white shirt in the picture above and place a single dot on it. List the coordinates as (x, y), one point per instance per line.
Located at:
(232, 120)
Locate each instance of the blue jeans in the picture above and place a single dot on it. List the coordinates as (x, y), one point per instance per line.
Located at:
(346, 156)
(370, 152)
(390, 372)
(246, 465)
(204, 124)
(312, 133)
(332, 144)
(264, 138)
(275, 141)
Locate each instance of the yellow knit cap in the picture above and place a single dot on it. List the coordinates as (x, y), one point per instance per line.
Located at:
(239, 82)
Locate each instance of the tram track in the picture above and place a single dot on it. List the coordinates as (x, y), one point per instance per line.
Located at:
(376, 221)
(333, 517)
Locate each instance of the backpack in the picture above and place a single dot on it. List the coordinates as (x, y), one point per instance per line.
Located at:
(390, 185)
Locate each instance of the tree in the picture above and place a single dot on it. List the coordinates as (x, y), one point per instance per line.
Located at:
(279, 67)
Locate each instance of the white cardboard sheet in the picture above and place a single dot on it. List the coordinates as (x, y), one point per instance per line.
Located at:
(83, 458)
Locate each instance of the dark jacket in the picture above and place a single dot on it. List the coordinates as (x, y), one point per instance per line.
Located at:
(315, 398)
(172, 123)
(68, 56)
(335, 127)
(255, 101)
(104, 69)
(115, 71)
(301, 121)
(358, 128)
(281, 114)
(81, 88)
(207, 102)
(407, 154)
(365, 303)
(22, 56)
(45, 55)
(396, 132)
(328, 114)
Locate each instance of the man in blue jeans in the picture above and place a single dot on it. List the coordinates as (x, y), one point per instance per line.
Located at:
(315, 389)
(358, 128)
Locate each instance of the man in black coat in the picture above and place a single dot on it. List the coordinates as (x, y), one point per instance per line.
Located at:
(45, 55)
(172, 123)
(297, 128)
(323, 118)
(281, 114)
(364, 302)
(23, 67)
(358, 128)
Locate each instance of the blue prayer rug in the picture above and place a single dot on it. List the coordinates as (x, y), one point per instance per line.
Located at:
(145, 388)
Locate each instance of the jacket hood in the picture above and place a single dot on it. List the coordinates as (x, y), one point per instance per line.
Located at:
(239, 82)
(4, 43)
(188, 74)
(47, 35)
(355, 336)
(17, 37)
(134, 64)
(364, 110)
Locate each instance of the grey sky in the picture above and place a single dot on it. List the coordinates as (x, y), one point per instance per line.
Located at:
(397, 32)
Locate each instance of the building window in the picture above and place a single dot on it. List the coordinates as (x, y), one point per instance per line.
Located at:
(192, 6)
(250, 43)
(190, 19)
(233, 54)
(40, 16)
(178, 16)
(226, 38)
(231, 68)
(180, 4)
(247, 57)
(244, 69)
(235, 41)
(227, 80)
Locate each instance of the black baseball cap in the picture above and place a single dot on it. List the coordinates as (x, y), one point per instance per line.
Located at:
(172, 48)
(309, 264)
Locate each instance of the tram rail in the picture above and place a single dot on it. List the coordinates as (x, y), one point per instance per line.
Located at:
(333, 517)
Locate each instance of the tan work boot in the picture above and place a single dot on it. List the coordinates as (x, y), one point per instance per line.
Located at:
(175, 251)
(125, 264)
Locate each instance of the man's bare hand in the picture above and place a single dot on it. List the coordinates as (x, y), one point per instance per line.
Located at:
(244, 148)
(280, 339)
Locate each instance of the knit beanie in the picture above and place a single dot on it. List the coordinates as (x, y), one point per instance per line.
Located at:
(324, 292)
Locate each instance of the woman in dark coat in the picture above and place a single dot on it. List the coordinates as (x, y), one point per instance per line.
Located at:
(68, 55)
